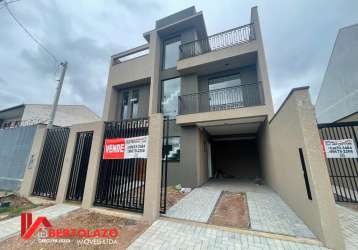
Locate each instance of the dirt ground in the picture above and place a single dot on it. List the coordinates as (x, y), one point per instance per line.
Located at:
(231, 211)
(16, 206)
(129, 230)
(173, 196)
(351, 205)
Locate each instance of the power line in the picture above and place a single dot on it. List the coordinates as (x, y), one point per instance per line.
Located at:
(28, 32)
(8, 2)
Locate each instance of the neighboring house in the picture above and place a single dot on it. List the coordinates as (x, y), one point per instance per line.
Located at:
(27, 114)
(214, 89)
(18, 126)
(338, 96)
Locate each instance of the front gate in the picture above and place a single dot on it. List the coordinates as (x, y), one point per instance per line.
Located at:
(80, 160)
(343, 172)
(121, 182)
(50, 168)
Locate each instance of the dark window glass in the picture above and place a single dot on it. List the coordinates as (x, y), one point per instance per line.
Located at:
(134, 101)
(225, 92)
(170, 93)
(172, 149)
(124, 113)
(171, 52)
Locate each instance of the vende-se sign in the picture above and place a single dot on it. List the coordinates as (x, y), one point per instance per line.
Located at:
(126, 148)
(339, 148)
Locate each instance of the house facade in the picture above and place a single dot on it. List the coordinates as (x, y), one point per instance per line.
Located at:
(202, 104)
(214, 90)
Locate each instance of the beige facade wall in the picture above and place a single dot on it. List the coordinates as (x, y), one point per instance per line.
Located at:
(294, 127)
(154, 169)
(97, 139)
(350, 118)
(33, 163)
(247, 112)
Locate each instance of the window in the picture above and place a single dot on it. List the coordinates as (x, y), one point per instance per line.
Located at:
(171, 52)
(124, 112)
(172, 149)
(170, 93)
(225, 92)
(134, 102)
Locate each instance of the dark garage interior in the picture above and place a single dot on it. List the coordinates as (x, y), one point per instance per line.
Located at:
(235, 158)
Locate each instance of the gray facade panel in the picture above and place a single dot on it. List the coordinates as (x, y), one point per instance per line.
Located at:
(15, 147)
(338, 96)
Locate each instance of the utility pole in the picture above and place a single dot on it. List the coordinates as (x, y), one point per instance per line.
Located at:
(57, 95)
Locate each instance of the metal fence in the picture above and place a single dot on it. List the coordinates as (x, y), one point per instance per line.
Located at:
(79, 168)
(50, 168)
(121, 182)
(164, 175)
(239, 35)
(343, 172)
(245, 95)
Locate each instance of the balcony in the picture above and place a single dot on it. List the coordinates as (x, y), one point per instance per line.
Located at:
(246, 95)
(130, 66)
(236, 36)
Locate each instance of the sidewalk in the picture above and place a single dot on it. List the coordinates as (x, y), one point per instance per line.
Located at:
(176, 235)
(11, 227)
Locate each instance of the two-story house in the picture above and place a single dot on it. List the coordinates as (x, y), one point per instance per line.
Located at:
(214, 89)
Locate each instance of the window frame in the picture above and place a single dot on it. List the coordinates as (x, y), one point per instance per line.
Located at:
(173, 39)
(162, 95)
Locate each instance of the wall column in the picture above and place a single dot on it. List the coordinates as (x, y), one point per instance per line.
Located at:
(33, 161)
(154, 169)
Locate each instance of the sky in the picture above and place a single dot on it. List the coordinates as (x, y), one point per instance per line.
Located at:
(298, 40)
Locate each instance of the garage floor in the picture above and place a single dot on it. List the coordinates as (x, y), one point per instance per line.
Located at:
(267, 211)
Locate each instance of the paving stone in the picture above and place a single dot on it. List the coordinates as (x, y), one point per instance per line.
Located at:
(269, 213)
(11, 227)
(349, 224)
(202, 240)
(196, 206)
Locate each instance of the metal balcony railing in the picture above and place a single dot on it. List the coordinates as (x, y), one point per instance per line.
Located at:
(221, 99)
(239, 35)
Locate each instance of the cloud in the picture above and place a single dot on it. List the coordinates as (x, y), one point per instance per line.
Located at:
(297, 41)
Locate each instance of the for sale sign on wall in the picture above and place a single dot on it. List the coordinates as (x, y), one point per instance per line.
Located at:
(339, 148)
(126, 148)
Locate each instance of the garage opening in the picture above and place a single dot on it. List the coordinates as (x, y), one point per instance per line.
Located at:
(235, 157)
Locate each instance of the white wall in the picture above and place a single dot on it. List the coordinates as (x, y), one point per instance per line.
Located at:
(66, 115)
(338, 96)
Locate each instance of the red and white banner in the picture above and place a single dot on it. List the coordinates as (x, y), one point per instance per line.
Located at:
(344, 148)
(126, 148)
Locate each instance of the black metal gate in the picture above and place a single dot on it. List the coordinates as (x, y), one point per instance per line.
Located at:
(343, 172)
(49, 171)
(76, 184)
(121, 183)
(163, 189)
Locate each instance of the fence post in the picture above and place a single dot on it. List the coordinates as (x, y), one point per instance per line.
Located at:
(33, 162)
(154, 168)
(93, 165)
